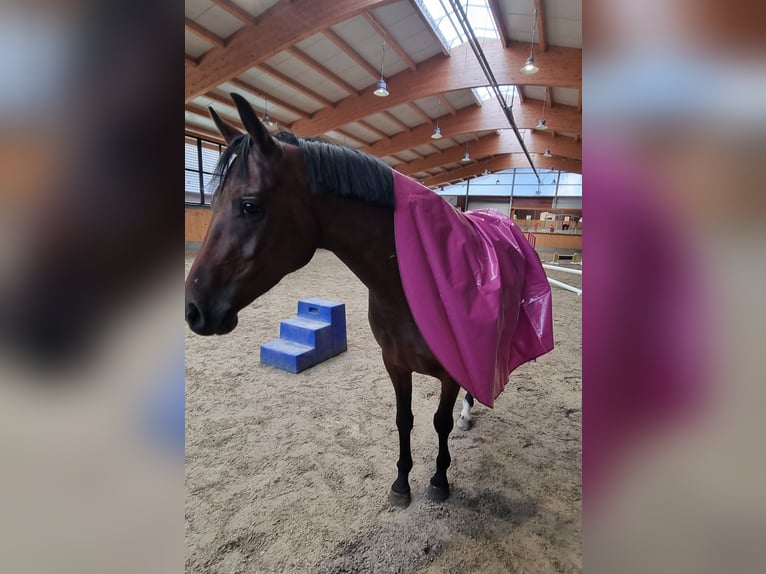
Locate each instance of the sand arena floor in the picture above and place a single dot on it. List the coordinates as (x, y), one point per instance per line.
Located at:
(290, 473)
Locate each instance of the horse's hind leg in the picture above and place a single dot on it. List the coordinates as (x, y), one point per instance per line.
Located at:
(443, 423)
(402, 380)
(464, 421)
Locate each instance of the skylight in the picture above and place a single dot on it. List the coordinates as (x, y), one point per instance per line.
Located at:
(484, 93)
(446, 23)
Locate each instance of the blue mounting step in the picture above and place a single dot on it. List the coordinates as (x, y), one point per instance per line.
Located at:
(315, 334)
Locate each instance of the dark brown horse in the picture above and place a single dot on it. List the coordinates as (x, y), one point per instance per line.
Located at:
(271, 211)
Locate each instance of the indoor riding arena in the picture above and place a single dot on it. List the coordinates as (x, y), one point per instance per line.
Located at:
(478, 101)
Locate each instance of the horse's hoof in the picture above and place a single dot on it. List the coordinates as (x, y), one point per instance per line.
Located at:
(464, 424)
(398, 500)
(438, 493)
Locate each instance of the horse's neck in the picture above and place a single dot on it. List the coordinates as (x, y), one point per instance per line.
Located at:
(362, 236)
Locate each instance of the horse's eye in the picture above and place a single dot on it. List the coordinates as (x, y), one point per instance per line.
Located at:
(251, 207)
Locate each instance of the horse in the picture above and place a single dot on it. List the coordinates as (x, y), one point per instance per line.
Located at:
(271, 210)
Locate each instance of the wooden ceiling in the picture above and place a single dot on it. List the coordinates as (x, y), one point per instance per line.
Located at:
(313, 64)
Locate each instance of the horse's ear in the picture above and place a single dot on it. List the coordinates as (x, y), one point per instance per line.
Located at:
(254, 127)
(228, 132)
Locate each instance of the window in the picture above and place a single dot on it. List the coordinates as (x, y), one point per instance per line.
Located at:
(201, 157)
(445, 22)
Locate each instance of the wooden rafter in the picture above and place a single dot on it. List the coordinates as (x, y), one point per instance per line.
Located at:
(242, 85)
(467, 120)
(497, 15)
(561, 67)
(341, 44)
(549, 97)
(541, 35)
(447, 106)
(193, 62)
(579, 100)
(321, 70)
(237, 11)
(427, 24)
(204, 33)
(415, 108)
(390, 41)
(204, 113)
(496, 144)
(282, 26)
(369, 127)
(199, 131)
(396, 121)
(363, 145)
(226, 101)
(287, 80)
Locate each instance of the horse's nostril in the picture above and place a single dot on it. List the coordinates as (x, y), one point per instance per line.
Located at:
(193, 315)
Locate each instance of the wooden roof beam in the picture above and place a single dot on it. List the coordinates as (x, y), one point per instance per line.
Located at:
(498, 144)
(322, 71)
(200, 132)
(449, 107)
(541, 35)
(204, 113)
(369, 127)
(193, 62)
(396, 121)
(415, 108)
(549, 97)
(363, 145)
(389, 40)
(242, 85)
(225, 100)
(287, 80)
(204, 33)
(341, 44)
(280, 27)
(472, 119)
(497, 15)
(561, 67)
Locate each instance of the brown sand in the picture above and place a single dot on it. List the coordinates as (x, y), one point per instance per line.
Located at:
(290, 473)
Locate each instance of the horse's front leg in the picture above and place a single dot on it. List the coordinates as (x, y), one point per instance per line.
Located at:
(443, 423)
(402, 380)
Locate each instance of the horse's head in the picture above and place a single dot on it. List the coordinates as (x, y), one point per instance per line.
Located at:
(262, 225)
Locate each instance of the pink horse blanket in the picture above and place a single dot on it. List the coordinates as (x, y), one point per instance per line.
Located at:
(476, 288)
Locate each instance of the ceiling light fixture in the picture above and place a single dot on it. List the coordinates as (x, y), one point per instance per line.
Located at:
(541, 125)
(382, 90)
(437, 135)
(466, 156)
(547, 153)
(529, 66)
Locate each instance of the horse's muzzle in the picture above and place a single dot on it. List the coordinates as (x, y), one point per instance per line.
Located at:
(208, 323)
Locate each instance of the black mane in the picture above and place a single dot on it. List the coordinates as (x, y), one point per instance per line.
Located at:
(330, 168)
(343, 171)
